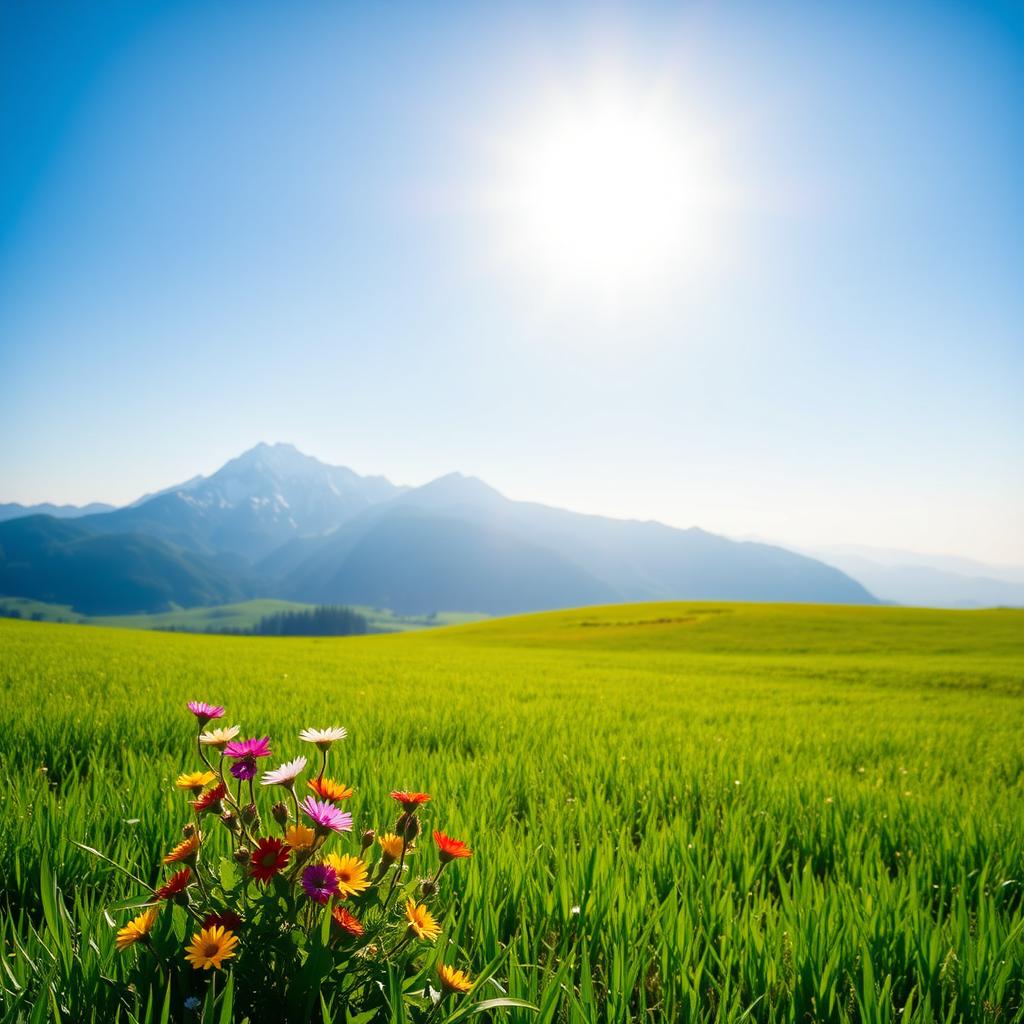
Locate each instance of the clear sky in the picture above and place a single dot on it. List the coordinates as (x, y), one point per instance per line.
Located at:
(755, 267)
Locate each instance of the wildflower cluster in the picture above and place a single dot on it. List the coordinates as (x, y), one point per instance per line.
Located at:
(303, 911)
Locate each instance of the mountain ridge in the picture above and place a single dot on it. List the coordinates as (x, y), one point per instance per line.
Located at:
(276, 522)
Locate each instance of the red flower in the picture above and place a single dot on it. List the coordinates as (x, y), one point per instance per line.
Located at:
(208, 800)
(269, 857)
(174, 885)
(409, 801)
(347, 922)
(450, 849)
(226, 919)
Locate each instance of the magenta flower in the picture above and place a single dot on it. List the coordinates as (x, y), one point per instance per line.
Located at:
(245, 753)
(326, 816)
(320, 882)
(248, 748)
(205, 712)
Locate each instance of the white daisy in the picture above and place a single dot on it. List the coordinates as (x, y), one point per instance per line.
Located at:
(323, 738)
(285, 775)
(219, 738)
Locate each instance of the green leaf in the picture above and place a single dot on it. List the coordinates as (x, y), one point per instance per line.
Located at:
(228, 874)
(490, 1004)
(228, 1000)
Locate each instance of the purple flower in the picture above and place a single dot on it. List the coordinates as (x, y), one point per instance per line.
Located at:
(320, 882)
(326, 816)
(248, 748)
(205, 712)
(244, 769)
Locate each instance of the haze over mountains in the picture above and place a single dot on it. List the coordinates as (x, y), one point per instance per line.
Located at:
(277, 523)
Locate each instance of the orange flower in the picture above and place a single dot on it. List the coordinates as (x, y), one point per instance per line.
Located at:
(409, 801)
(450, 849)
(175, 884)
(136, 930)
(347, 922)
(299, 837)
(328, 789)
(184, 852)
(269, 857)
(453, 980)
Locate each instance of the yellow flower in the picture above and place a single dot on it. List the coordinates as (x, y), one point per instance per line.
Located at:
(194, 781)
(210, 948)
(219, 738)
(421, 921)
(136, 929)
(185, 851)
(351, 872)
(391, 845)
(453, 980)
(299, 837)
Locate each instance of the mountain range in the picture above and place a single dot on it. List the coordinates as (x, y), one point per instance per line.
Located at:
(277, 523)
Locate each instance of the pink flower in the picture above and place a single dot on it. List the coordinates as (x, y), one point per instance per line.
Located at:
(205, 712)
(326, 816)
(320, 882)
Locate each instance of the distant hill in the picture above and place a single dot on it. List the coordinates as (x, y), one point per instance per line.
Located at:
(458, 534)
(927, 586)
(276, 523)
(61, 562)
(415, 563)
(15, 511)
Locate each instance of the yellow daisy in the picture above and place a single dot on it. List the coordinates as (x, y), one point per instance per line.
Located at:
(299, 837)
(351, 872)
(136, 929)
(391, 847)
(454, 980)
(421, 921)
(194, 781)
(210, 948)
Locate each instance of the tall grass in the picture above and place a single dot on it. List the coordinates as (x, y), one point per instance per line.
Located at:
(679, 812)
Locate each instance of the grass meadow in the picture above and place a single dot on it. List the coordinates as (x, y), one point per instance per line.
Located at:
(680, 812)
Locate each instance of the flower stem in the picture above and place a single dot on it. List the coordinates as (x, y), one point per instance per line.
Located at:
(398, 873)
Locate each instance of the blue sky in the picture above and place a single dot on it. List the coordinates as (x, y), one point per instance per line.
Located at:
(222, 223)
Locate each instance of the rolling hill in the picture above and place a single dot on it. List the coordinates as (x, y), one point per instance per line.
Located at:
(61, 562)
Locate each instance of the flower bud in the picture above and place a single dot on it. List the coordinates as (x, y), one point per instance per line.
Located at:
(428, 888)
(281, 813)
(230, 821)
(250, 814)
(367, 841)
(408, 826)
(241, 855)
(188, 830)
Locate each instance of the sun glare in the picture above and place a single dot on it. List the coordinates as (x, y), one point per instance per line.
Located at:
(608, 193)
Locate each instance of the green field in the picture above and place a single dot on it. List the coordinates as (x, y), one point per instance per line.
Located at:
(680, 812)
(220, 618)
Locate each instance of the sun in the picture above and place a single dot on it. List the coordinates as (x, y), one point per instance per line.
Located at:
(608, 191)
